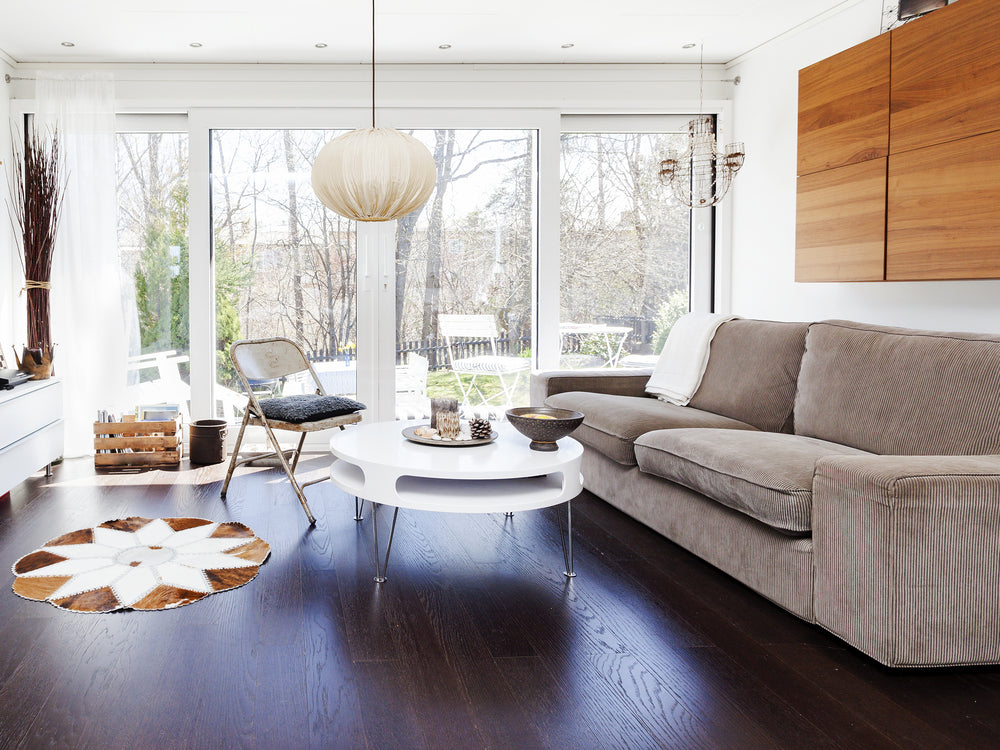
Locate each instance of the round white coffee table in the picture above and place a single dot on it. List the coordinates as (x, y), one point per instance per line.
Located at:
(375, 462)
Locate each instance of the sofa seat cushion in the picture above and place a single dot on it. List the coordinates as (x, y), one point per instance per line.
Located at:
(766, 475)
(612, 423)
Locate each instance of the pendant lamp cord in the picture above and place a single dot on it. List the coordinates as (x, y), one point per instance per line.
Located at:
(373, 64)
(701, 79)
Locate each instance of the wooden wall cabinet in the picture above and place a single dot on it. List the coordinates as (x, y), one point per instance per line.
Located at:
(946, 76)
(840, 224)
(844, 108)
(940, 77)
(843, 144)
(944, 211)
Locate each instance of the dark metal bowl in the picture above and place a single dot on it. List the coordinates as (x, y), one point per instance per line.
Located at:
(544, 432)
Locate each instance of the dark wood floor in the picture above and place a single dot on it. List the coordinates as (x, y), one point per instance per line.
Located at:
(477, 640)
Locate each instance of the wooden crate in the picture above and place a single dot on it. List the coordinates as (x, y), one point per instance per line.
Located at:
(152, 443)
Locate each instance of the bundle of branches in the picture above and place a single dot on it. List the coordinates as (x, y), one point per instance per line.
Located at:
(37, 191)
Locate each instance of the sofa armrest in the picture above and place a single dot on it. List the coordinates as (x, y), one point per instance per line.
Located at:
(907, 556)
(630, 382)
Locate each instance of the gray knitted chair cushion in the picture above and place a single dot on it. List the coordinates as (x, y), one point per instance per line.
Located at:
(308, 407)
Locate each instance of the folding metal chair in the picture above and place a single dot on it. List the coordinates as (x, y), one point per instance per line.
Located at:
(270, 359)
(481, 327)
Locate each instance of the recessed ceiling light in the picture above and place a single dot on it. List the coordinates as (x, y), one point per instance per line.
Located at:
(321, 45)
(444, 46)
(567, 45)
(67, 44)
(689, 45)
(195, 44)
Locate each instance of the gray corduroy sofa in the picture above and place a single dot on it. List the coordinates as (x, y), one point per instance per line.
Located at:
(847, 472)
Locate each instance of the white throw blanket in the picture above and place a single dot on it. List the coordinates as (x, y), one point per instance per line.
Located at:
(682, 362)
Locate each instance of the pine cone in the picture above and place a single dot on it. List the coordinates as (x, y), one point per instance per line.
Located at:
(481, 429)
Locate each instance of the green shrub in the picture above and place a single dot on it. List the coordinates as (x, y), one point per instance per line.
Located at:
(669, 313)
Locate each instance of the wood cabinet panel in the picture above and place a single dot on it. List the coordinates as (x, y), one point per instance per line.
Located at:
(946, 76)
(844, 107)
(943, 218)
(840, 224)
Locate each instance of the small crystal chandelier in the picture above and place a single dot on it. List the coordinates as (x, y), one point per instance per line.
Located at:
(374, 174)
(700, 176)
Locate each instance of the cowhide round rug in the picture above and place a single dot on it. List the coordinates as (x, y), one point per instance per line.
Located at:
(140, 563)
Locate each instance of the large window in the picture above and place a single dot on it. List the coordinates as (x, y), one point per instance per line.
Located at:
(153, 243)
(626, 266)
(625, 249)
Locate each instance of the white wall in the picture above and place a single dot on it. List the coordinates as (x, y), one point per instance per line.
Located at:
(572, 89)
(10, 269)
(763, 249)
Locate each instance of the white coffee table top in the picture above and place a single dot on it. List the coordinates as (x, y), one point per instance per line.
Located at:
(375, 462)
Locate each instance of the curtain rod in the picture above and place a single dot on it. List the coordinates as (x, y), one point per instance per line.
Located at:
(7, 77)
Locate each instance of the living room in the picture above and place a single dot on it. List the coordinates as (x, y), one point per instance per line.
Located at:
(553, 229)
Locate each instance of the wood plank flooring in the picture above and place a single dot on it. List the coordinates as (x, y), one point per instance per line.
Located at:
(476, 641)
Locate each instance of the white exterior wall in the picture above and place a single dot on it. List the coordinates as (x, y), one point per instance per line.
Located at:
(763, 195)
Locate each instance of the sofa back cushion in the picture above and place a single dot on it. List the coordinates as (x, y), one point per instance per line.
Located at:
(752, 370)
(899, 391)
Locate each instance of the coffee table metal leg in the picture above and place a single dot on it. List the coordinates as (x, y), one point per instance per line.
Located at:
(380, 571)
(567, 540)
(359, 505)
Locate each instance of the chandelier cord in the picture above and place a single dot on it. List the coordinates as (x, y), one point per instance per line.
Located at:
(701, 79)
(373, 64)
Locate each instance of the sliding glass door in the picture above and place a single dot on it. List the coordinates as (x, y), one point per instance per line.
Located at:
(464, 282)
(284, 265)
(152, 169)
(626, 244)
(366, 302)
(546, 243)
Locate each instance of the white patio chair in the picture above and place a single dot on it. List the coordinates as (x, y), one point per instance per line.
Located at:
(506, 369)
(411, 388)
(266, 359)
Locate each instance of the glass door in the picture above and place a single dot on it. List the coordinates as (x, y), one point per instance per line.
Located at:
(152, 168)
(284, 265)
(628, 249)
(366, 301)
(464, 275)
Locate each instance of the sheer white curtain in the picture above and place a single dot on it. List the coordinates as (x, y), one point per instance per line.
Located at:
(88, 324)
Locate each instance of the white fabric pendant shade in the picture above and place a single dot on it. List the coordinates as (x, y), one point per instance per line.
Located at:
(374, 174)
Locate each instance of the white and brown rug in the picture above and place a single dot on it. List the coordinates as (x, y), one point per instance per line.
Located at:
(140, 563)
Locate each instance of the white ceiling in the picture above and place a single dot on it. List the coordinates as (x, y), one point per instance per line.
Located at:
(409, 31)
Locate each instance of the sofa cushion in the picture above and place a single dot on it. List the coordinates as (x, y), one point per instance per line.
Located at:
(899, 391)
(766, 475)
(612, 423)
(753, 367)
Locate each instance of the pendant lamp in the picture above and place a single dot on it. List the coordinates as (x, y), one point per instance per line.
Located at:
(374, 174)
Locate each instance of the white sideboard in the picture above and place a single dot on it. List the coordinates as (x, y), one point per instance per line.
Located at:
(31, 429)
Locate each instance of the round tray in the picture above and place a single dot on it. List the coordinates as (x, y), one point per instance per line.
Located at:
(408, 434)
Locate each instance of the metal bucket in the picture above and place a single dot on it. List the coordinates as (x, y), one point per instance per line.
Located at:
(208, 441)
